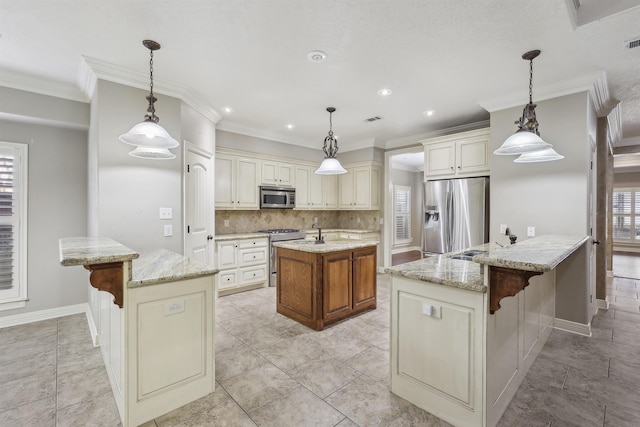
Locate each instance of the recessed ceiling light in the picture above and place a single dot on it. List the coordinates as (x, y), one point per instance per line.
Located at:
(316, 56)
(384, 92)
(290, 126)
(227, 109)
(428, 113)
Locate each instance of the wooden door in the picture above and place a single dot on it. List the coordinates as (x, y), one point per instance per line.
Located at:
(336, 285)
(364, 278)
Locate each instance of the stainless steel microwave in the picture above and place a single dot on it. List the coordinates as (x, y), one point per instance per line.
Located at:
(277, 198)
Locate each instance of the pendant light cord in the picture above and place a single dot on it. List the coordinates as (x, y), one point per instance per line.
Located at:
(531, 81)
(151, 98)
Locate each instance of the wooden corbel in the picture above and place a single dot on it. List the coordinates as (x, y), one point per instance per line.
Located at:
(108, 278)
(506, 282)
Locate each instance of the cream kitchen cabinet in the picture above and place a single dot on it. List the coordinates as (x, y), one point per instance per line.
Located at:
(243, 263)
(315, 191)
(236, 182)
(277, 174)
(461, 154)
(359, 188)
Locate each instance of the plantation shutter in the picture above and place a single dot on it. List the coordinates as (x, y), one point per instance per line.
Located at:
(7, 220)
(402, 214)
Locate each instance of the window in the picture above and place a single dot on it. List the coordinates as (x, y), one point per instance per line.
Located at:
(402, 215)
(13, 225)
(626, 215)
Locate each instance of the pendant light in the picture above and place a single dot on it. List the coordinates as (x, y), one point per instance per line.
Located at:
(527, 137)
(330, 165)
(546, 155)
(151, 139)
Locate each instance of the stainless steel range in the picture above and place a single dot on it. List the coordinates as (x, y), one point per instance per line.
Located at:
(280, 235)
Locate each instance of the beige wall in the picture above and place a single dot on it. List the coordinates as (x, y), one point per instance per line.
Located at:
(413, 180)
(57, 192)
(628, 179)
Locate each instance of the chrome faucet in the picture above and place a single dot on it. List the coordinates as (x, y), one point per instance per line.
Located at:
(512, 237)
(319, 238)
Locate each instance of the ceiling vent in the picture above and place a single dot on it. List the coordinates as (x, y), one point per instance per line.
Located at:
(630, 44)
(373, 119)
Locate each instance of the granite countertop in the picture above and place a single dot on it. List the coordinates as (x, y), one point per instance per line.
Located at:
(93, 250)
(239, 236)
(540, 254)
(329, 246)
(339, 230)
(162, 265)
(443, 270)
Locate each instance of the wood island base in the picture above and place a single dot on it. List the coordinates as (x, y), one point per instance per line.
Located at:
(318, 289)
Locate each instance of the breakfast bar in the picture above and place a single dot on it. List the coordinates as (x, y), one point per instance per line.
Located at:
(466, 326)
(154, 324)
(320, 284)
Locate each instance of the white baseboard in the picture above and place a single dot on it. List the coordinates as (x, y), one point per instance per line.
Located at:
(36, 316)
(93, 329)
(401, 249)
(573, 327)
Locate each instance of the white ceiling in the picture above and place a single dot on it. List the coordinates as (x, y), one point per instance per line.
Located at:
(442, 55)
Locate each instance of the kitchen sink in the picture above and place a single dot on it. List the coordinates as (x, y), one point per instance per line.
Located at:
(467, 255)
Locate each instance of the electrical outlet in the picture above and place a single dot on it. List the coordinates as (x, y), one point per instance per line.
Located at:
(168, 230)
(381, 221)
(315, 219)
(226, 222)
(358, 220)
(531, 231)
(174, 307)
(503, 228)
(166, 213)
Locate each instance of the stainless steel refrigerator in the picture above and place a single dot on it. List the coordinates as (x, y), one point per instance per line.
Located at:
(456, 214)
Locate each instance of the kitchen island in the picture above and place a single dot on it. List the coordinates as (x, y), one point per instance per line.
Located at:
(320, 284)
(466, 327)
(154, 325)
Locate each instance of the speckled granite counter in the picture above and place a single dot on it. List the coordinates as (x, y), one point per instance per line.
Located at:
(330, 246)
(93, 250)
(541, 254)
(443, 270)
(239, 236)
(162, 265)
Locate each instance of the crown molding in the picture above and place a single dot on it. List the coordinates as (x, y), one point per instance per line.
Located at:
(614, 122)
(117, 74)
(629, 141)
(414, 139)
(37, 84)
(581, 84)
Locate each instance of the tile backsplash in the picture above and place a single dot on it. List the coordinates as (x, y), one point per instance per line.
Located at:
(251, 221)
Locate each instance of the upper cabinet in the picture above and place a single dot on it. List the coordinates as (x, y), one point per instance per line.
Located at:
(458, 155)
(277, 174)
(236, 182)
(315, 191)
(359, 188)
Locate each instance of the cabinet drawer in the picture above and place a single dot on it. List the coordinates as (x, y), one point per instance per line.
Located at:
(252, 256)
(227, 279)
(253, 274)
(252, 243)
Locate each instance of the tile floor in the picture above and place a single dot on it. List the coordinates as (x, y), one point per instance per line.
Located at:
(271, 371)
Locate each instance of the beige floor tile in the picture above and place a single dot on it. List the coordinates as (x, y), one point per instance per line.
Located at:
(78, 356)
(338, 343)
(98, 412)
(27, 389)
(264, 336)
(192, 409)
(228, 413)
(74, 388)
(26, 348)
(258, 386)
(367, 402)
(239, 324)
(40, 413)
(415, 416)
(225, 340)
(41, 364)
(373, 362)
(236, 361)
(298, 408)
(324, 375)
(28, 331)
(291, 353)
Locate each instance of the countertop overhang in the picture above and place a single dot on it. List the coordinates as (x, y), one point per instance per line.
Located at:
(321, 248)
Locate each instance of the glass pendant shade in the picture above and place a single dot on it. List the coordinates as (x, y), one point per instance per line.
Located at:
(330, 166)
(149, 134)
(522, 142)
(152, 153)
(546, 155)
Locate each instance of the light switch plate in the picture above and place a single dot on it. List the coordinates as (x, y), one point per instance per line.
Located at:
(531, 231)
(168, 230)
(503, 228)
(381, 221)
(226, 222)
(166, 213)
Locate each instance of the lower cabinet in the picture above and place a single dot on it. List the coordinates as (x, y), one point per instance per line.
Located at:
(243, 264)
(319, 289)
